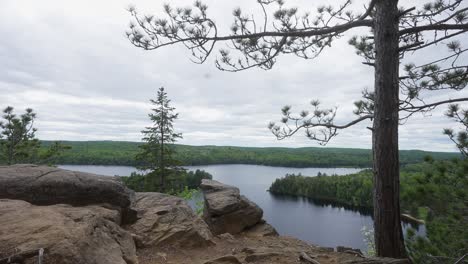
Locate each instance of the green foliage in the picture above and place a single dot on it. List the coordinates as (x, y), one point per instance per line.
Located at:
(123, 153)
(191, 194)
(194, 179)
(369, 239)
(186, 193)
(184, 185)
(157, 153)
(434, 191)
(441, 190)
(17, 137)
(176, 184)
(48, 155)
(136, 182)
(461, 138)
(18, 143)
(352, 190)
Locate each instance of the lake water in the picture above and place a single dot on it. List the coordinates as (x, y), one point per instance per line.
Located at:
(320, 224)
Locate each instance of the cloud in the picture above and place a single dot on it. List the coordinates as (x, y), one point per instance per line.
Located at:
(71, 62)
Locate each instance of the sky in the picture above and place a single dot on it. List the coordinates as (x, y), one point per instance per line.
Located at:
(71, 62)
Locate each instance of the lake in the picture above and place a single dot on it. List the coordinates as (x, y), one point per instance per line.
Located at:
(318, 223)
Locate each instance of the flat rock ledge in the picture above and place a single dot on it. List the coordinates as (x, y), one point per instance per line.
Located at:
(43, 185)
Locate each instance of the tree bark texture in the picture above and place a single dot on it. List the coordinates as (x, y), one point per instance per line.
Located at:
(387, 224)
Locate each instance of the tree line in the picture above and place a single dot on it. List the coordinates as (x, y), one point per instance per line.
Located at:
(123, 153)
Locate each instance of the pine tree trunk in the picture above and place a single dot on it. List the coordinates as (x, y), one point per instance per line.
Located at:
(388, 233)
(11, 152)
(161, 171)
(10, 156)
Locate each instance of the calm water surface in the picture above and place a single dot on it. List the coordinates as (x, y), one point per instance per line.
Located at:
(303, 218)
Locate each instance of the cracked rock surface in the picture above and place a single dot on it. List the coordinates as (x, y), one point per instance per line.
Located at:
(165, 219)
(69, 235)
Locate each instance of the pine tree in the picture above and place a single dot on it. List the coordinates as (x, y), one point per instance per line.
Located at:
(157, 153)
(461, 138)
(394, 34)
(17, 137)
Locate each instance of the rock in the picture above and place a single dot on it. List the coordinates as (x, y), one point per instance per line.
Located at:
(248, 250)
(68, 234)
(222, 199)
(165, 219)
(43, 185)
(227, 237)
(326, 249)
(347, 249)
(261, 257)
(229, 259)
(379, 261)
(226, 211)
(261, 229)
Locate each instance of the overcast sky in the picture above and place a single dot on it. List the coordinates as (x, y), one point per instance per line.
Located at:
(70, 62)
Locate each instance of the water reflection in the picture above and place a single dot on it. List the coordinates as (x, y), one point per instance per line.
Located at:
(323, 202)
(333, 204)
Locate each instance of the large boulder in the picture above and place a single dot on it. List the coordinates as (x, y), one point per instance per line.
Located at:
(69, 235)
(167, 220)
(43, 185)
(226, 211)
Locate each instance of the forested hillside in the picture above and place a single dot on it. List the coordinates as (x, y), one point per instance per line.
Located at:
(123, 153)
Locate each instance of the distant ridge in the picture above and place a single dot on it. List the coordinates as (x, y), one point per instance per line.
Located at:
(123, 153)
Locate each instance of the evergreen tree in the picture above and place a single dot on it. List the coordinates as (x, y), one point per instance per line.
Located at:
(157, 153)
(18, 142)
(394, 33)
(17, 137)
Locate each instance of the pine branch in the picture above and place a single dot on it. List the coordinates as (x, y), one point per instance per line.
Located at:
(435, 27)
(432, 105)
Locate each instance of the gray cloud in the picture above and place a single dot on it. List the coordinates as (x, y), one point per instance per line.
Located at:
(70, 61)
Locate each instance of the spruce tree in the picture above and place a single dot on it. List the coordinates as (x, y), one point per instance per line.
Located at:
(156, 154)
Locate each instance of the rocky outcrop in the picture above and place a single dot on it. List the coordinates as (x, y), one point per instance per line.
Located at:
(226, 211)
(165, 219)
(77, 218)
(69, 235)
(42, 185)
